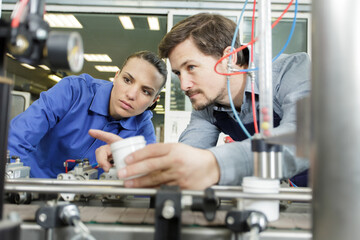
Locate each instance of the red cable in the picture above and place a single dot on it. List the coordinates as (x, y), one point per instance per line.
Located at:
(244, 46)
(16, 20)
(66, 164)
(281, 16)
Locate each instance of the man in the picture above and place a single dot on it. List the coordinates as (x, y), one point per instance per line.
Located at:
(55, 127)
(193, 47)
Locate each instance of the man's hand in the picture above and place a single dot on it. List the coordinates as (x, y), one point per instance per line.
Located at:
(103, 153)
(171, 164)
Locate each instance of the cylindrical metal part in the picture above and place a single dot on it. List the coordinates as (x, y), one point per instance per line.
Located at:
(267, 159)
(335, 102)
(5, 87)
(296, 195)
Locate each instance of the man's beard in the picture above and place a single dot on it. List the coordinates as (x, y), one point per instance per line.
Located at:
(202, 106)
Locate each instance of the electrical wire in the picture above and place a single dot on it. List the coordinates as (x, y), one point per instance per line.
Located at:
(18, 13)
(253, 40)
(228, 77)
(67, 162)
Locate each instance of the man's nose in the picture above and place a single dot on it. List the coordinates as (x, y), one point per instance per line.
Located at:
(185, 82)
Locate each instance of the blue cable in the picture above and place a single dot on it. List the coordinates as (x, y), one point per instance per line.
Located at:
(255, 69)
(228, 81)
(287, 41)
(291, 32)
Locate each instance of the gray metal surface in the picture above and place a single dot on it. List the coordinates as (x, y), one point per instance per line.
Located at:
(32, 231)
(335, 111)
(82, 188)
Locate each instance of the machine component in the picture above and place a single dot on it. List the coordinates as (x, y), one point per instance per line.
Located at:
(25, 38)
(16, 169)
(168, 213)
(65, 50)
(10, 227)
(112, 175)
(207, 204)
(82, 171)
(31, 40)
(244, 221)
(267, 158)
(60, 215)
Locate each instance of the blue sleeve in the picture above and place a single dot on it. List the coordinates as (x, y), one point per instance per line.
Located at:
(147, 129)
(28, 128)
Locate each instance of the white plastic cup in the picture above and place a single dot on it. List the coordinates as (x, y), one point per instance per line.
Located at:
(122, 148)
(257, 185)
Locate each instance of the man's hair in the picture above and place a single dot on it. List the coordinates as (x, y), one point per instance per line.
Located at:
(211, 33)
(157, 62)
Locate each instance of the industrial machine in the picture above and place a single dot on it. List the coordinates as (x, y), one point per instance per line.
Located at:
(104, 209)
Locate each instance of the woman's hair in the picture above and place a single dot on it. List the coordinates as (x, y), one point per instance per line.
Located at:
(211, 33)
(157, 62)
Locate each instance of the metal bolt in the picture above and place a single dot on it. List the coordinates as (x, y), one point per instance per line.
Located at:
(168, 211)
(42, 217)
(230, 220)
(41, 34)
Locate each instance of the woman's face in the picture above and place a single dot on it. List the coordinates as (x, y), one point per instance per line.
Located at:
(136, 87)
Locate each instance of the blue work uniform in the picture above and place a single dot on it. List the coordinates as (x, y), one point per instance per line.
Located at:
(55, 127)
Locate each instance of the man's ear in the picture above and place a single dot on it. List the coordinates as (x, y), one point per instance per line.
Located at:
(227, 50)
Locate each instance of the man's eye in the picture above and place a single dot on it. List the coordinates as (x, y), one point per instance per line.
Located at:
(191, 67)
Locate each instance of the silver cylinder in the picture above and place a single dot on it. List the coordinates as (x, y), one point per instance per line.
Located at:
(335, 109)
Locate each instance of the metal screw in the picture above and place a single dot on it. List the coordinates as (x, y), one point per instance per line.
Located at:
(42, 217)
(168, 211)
(230, 220)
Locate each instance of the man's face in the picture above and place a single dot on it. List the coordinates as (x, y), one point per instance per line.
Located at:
(197, 77)
(135, 88)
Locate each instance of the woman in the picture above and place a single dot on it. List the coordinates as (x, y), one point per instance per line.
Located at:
(55, 127)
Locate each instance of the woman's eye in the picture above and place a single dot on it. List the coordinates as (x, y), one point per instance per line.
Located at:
(146, 92)
(126, 80)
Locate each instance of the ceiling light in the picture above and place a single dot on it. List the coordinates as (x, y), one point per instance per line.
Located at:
(111, 79)
(126, 22)
(44, 67)
(28, 66)
(153, 23)
(97, 58)
(62, 20)
(107, 68)
(54, 77)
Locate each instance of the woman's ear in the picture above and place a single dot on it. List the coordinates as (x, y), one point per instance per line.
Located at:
(154, 103)
(117, 73)
(227, 51)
